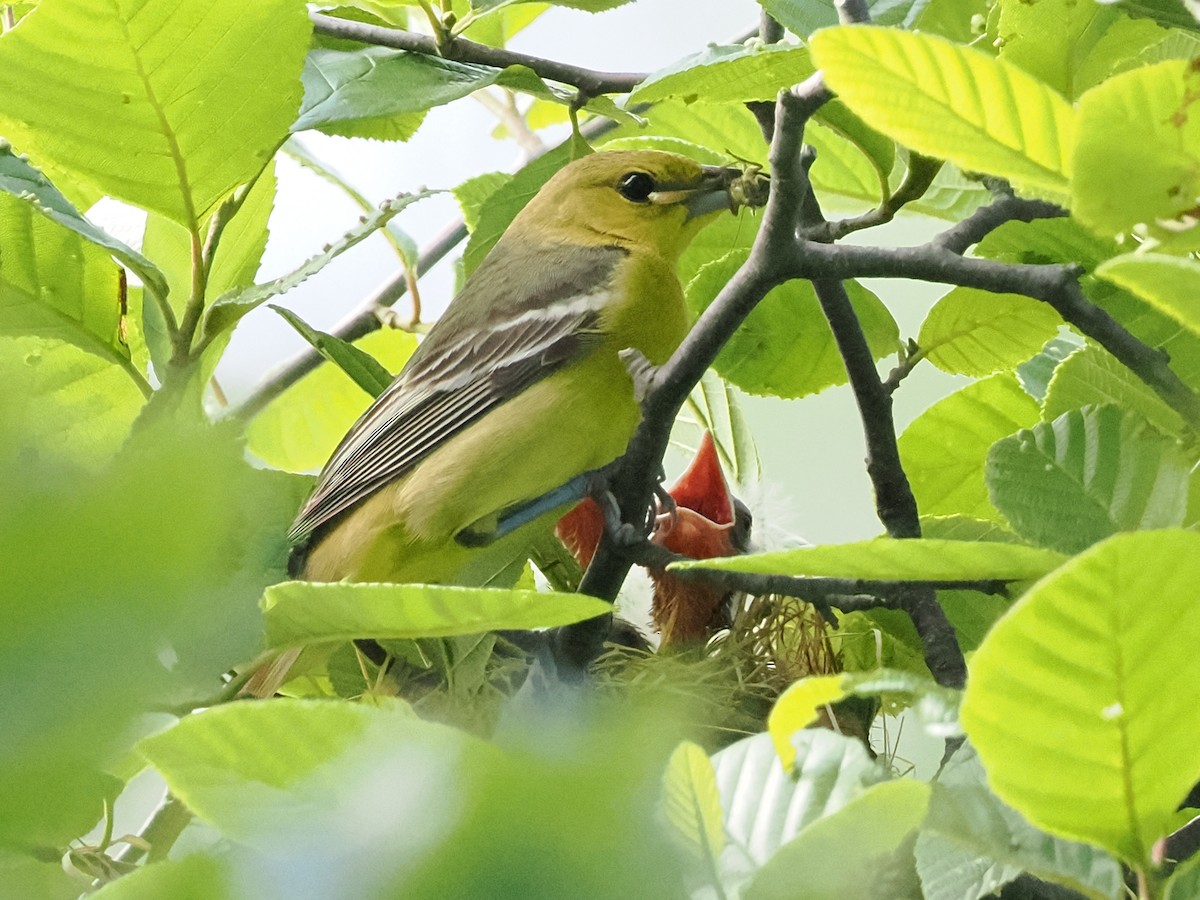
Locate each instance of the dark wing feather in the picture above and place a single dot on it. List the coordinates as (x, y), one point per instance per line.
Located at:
(453, 381)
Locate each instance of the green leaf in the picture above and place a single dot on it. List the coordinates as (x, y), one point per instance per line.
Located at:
(1168, 13)
(785, 348)
(1088, 474)
(953, 103)
(798, 707)
(691, 803)
(890, 559)
(952, 196)
(364, 370)
(805, 16)
(502, 206)
(195, 877)
(1036, 373)
(473, 193)
(207, 86)
(1066, 241)
(764, 809)
(719, 412)
(224, 763)
(1057, 240)
(344, 89)
(846, 170)
(1091, 376)
(64, 403)
(728, 73)
(959, 20)
(299, 430)
(22, 180)
(231, 306)
(972, 613)
(1168, 283)
(973, 332)
(301, 612)
(1176, 45)
(847, 853)
(55, 284)
(1184, 882)
(944, 449)
(244, 237)
(1150, 326)
(880, 639)
(1159, 173)
(972, 843)
(1070, 46)
(27, 876)
(153, 563)
(1069, 702)
(727, 129)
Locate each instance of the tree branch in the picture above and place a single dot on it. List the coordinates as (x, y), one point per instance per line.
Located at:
(918, 178)
(1005, 208)
(588, 81)
(1056, 285)
(851, 12)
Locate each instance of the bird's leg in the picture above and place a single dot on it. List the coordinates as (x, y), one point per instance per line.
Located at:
(593, 484)
(492, 528)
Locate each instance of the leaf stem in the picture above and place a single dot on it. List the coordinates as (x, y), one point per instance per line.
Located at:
(138, 379)
(160, 832)
(195, 305)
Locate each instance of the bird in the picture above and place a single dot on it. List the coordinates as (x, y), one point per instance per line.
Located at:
(521, 385)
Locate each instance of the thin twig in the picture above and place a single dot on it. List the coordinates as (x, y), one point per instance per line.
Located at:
(160, 832)
(504, 108)
(769, 30)
(894, 500)
(1005, 208)
(194, 309)
(917, 179)
(590, 82)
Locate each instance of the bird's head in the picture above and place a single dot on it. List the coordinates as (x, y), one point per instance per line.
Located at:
(641, 198)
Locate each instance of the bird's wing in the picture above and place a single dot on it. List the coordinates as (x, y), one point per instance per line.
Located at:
(457, 376)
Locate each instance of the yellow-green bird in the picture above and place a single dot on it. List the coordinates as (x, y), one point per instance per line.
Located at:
(519, 387)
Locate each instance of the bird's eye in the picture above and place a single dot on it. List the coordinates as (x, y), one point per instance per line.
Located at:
(636, 186)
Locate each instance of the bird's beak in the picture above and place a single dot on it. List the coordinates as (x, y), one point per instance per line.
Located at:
(718, 188)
